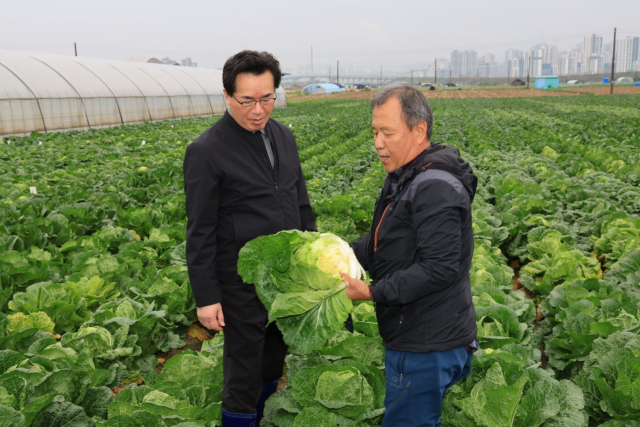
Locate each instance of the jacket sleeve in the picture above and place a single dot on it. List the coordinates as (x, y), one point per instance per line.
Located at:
(359, 247)
(436, 214)
(307, 219)
(201, 186)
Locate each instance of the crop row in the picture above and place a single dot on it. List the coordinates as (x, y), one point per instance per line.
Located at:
(564, 229)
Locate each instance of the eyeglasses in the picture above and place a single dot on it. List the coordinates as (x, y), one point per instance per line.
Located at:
(265, 102)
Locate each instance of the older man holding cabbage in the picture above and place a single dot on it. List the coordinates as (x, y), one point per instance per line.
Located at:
(418, 253)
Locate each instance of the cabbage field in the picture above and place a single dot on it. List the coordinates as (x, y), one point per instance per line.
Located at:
(96, 307)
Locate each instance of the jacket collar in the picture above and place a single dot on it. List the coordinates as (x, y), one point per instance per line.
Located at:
(415, 162)
(228, 119)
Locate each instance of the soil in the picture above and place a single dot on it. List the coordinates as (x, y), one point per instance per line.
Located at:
(604, 90)
(485, 93)
(193, 339)
(447, 94)
(283, 381)
(544, 359)
(517, 286)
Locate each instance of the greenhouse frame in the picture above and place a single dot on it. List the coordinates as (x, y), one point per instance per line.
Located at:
(50, 93)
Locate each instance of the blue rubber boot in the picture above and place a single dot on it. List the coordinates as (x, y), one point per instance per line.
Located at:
(234, 419)
(268, 388)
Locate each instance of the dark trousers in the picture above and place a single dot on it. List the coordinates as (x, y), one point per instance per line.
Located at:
(253, 352)
(417, 382)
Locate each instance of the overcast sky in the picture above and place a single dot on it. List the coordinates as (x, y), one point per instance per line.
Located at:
(358, 33)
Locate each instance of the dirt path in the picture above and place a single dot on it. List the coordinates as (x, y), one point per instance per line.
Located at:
(483, 93)
(446, 94)
(604, 90)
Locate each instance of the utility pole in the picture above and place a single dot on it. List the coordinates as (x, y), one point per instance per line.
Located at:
(311, 60)
(613, 60)
(75, 47)
(435, 70)
(529, 70)
(338, 73)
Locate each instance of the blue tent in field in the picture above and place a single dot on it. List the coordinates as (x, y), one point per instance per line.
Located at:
(322, 88)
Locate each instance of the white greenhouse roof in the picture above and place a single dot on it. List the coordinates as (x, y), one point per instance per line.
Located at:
(147, 60)
(40, 92)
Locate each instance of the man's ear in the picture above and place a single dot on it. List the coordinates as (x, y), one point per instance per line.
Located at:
(420, 131)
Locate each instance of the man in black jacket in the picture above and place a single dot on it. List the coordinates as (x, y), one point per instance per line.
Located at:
(243, 179)
(419, 254)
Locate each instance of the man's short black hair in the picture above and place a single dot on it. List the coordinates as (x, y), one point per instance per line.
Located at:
(252, 62)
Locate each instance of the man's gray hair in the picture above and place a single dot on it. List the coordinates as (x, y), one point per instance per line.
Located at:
(415, 107)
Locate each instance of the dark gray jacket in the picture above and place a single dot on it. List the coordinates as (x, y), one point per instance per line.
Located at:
(234, 195)
(419, 253)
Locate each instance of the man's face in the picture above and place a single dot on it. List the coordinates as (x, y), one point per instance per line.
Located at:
(395, 143)
(250, 87)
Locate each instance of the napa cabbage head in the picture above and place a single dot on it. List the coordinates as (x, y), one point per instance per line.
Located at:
(97, 340)
(320, 262)
(297, 278)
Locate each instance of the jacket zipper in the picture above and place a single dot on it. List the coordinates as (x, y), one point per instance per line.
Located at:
(400, 324)
(273, 177)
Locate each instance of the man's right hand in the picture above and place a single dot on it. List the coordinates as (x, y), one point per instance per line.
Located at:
(211, 317)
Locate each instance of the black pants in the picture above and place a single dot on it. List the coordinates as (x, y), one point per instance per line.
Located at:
(253, 352)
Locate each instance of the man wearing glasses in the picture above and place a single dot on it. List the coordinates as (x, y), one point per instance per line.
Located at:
(243, 179)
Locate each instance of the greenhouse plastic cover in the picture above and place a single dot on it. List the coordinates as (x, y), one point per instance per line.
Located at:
(40, 92)
(322, 88)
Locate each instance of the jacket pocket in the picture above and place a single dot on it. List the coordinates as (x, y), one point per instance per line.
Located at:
(390, 319)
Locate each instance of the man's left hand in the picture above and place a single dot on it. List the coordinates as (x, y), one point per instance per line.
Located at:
(356, 289)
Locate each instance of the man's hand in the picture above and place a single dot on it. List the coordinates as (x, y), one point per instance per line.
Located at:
(357, 290)
(211, 317)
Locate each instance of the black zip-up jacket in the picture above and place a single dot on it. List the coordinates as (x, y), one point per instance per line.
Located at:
(234, 195)
(419, 254)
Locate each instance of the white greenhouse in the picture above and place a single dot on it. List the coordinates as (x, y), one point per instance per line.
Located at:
(50, 93)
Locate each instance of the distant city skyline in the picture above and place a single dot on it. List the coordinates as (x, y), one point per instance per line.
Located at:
(590, 56)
